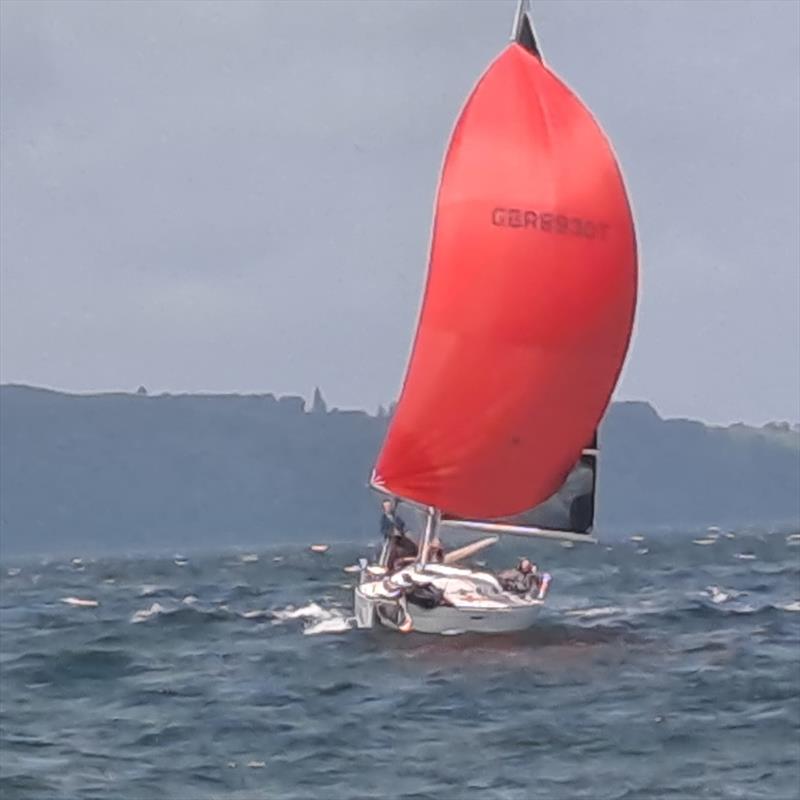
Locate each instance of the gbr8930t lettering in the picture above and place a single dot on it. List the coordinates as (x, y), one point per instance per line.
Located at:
(548, 222)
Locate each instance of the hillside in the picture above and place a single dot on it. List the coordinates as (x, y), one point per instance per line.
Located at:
(129, 472)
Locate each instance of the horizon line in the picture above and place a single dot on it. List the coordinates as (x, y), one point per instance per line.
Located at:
(793, 425)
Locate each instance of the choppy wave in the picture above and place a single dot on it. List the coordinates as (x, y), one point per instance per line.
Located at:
(317, 619)
(80, 602)
(242, 675)
(589, 613)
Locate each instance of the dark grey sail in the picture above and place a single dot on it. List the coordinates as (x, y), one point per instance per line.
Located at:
(567, 514)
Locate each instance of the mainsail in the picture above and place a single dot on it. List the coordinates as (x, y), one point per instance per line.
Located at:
(567, 514)
(528, 307)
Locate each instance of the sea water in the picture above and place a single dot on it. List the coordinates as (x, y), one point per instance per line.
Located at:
(660, 668)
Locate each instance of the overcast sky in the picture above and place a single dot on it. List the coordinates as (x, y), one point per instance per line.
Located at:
(237, 196)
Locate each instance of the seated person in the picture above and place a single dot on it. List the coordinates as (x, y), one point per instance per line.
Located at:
(435, 555)
(401, 548)
(402, 551)
(435, 552)
(525, 579)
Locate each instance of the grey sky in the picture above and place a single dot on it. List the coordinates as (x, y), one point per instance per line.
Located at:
(236, 196)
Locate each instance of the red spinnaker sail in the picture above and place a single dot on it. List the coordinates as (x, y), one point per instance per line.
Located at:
(529, 302)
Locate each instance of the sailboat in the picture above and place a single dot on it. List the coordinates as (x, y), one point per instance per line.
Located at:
(525, 322)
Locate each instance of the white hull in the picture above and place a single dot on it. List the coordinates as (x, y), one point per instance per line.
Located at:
(446, 620)
(476, 605)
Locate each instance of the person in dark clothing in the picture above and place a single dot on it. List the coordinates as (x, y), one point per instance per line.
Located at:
(524, 580)
(391, 522)
(393, 529)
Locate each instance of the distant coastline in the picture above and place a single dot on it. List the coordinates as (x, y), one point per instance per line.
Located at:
(124, 472)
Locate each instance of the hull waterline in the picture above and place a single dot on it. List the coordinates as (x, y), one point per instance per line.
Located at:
(446, 620)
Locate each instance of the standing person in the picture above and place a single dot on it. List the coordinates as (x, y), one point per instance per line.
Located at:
(393, 529)
(391, 521)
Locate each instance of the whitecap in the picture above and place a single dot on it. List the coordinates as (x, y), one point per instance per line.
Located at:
(717, 595)
(795, 606)
(745, 556)
(256, 764)
(304, 612)
(277, 559)
(336, 624)
(704, 541)
(600, 611)
(189, 600)
(567, 544)
(150, 589)
(14, 571)
(80, 602)
(146, 613)
(637, 538)
(248, 558)
(317, 618)
(642, 551)
(257, 614)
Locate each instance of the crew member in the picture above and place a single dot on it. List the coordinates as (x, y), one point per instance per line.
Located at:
(393, 529)
(525, 579)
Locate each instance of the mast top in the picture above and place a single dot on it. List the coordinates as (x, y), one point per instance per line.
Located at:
(522, 30)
